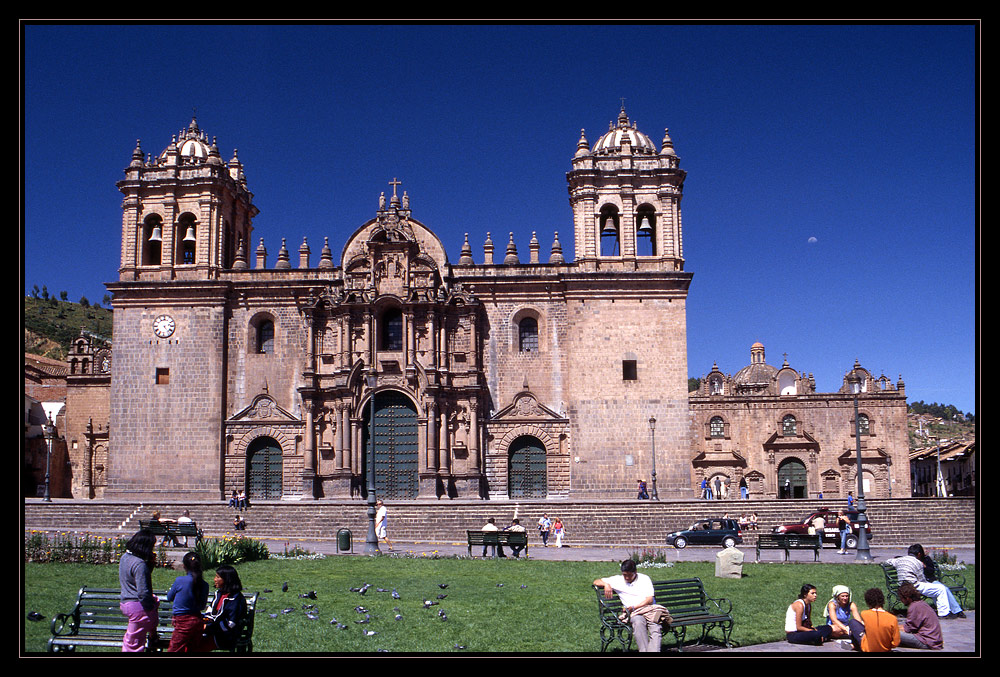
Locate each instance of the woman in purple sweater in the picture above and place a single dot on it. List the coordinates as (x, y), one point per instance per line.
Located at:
(921, 629)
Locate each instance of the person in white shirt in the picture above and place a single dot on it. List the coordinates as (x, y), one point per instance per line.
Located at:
(381, 519)
(635, 591)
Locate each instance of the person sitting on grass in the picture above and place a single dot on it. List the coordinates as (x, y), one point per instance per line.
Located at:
(798, 620)
(921, 629)
(877, 631)
(839, 610)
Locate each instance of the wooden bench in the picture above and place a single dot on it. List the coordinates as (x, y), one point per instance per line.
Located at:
(789, 542)
(96, 621)
(172, 530)
(687, 603)
(954, 581)
(498, 539)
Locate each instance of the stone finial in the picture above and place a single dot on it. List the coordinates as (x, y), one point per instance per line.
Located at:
(488, 250)
(557, 254)
(466, 258)
(511, 258)
(533, 248)
(136, 155)
(304, 254)
(241, 256)
(326, 255)
(283, 262)
(667, 148)
(261, 255)
(582, 146)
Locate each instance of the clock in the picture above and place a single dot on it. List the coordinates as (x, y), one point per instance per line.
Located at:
(164, 326)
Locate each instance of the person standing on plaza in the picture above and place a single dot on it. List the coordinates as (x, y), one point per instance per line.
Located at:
(544, 528)
(643, 494)
(189, 593)
(381, 523)
(706, 490)
(635, 591)
(844, 527)
(558, 530)
(138, 602)
(718, 488)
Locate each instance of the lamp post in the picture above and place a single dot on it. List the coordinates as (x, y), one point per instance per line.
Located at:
(652, 437)
(49, 431)
(371, 541)
(864, 553)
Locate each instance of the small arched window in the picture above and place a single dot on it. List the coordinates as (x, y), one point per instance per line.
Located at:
(610, 240)
(716, 427)
(527, 333)
(265, 337)
(186, 239)
(152, 240)
(645, 231)
(789, 426)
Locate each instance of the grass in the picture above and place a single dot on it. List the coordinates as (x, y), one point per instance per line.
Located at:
(554, 611)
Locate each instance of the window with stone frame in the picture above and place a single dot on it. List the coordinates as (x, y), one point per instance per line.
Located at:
(864, 424)
(392, 330)
(265, 337)
(789, 426)
(527, 335)
(716, 427)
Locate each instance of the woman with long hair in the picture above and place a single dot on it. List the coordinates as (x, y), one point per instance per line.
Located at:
(138, 602)
(798, 620)
(224, 619)
(189, 593)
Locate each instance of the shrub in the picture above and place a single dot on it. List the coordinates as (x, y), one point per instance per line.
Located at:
(215, 552)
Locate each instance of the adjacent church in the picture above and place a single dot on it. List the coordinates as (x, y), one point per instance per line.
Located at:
(500, 375)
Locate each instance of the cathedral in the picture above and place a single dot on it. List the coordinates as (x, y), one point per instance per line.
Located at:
(499, 375)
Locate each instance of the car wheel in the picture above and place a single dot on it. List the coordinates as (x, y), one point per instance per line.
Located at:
(852, 541)
(680, 542)
(729, 542)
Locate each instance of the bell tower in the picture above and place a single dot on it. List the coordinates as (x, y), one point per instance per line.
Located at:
(626, 199)
(185, 212)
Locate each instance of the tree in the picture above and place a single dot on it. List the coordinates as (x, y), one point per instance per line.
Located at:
(63, 296)
(84, 302)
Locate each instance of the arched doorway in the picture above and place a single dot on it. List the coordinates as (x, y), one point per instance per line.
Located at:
(263, 469)
(395, 446)
(526, 471)
(792, 479)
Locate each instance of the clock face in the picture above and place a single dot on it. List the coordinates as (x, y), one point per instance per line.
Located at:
(164, 326)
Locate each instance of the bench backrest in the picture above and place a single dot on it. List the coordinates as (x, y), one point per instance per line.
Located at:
(891, 576)
(681, 597)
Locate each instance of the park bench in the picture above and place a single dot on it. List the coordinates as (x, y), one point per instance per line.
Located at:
(96, 621)
(172, 530)
(789, 542)
(954, 581)
(687, 603)
(497, 539)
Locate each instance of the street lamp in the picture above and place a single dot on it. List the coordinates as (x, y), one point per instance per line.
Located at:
(864, 553)
(371, 541)
(49, 430)
(652, 437)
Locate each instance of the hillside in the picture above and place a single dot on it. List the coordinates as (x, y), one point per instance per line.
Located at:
(50, 325)
(924, 429)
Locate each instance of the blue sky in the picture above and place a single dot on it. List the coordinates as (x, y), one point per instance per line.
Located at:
(830, 208)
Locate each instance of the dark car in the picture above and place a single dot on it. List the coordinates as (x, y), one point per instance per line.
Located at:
(709, 531)
(830, 532)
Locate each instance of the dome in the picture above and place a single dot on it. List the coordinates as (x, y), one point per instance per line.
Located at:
(611, 142)
(758, 372)
(193, 144)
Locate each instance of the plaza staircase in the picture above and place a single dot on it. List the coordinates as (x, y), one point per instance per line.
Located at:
(930, 521)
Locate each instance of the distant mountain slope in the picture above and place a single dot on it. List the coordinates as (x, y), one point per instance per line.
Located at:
(50, 325)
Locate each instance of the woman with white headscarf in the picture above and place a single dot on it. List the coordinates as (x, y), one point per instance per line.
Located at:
(839, 610)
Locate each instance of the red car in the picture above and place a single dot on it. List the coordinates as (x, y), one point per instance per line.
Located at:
(830, 532)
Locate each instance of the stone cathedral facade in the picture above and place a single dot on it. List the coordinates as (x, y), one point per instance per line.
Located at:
(507, 376)
(500, 375)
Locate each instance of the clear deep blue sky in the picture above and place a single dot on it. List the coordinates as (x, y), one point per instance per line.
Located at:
(830, 208)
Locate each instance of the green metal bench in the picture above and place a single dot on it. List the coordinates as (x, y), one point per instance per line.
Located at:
(497, 539)
(96, 621)
(789, 542)
(172, 530)
(954, 581)
(687, 603)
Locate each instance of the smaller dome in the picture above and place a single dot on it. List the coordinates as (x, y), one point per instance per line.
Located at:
(611, 142)
(192, 144)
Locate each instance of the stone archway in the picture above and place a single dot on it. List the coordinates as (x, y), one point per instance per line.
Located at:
(264, 469)
(527, 475)
(792, 479)
(396, 446)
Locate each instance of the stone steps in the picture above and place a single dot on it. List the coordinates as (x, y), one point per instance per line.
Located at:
(949, 521)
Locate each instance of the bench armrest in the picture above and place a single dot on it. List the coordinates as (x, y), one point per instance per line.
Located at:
(724, 605)
(65, 624)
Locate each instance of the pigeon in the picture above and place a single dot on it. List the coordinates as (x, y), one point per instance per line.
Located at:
(442, 585)
(442, 596)
(273, 615)
(284, 587)
(361, 609)
(35, 616)
(428, 603)
(499, 585)
(288, 610)
(354, 589)
(312, 617)
(441, 612)
(381, 590)
(307, 607)
(364, 589)
(308, 595)
(523, 587)
(459, 646)
(366, 619)
(267, 590)
(399, 617)
(395, 595)
(369, 633)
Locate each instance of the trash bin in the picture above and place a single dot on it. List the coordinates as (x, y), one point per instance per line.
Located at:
(345, 540)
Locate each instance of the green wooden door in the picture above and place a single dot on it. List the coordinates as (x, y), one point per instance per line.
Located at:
(792, 479)
(264, 469)
(526, 472)
(395, 446)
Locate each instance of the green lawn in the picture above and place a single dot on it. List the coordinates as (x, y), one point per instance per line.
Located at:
(541, 606)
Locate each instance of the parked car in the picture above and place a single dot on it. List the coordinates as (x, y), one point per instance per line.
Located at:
(708, 531)
(830, 532)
